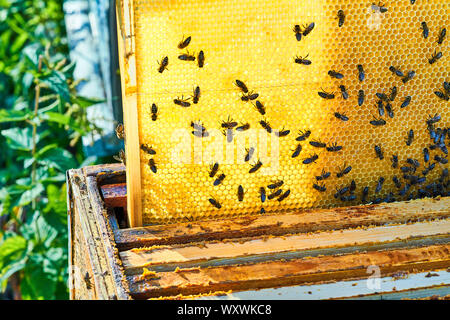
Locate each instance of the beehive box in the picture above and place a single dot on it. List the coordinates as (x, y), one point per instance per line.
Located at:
(187, 231)
(322, 254)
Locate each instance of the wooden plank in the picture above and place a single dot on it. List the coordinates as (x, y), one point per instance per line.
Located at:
(114, 195)
(293, 222)
(195, 253)
(103, 169)
(127, 60)
(109, 256)
(288, 273)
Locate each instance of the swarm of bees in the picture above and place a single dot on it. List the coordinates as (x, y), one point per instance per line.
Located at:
(387, 101)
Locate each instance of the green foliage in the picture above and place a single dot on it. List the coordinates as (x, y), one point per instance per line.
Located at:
(38, 144)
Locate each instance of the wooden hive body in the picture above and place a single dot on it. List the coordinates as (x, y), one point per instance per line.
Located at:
(321, 254)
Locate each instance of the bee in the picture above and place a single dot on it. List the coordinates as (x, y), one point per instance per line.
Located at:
(184, 42)
(297, 151)
(408, 169)
(312, 158)
(340, 192)
(344, 92)
(121, 157)
(378, 122)
(379, 7)
(425, 30)
(426, 155)
(186, 57)
(335, 74)
(352, 186)
(394, 161)
(379, 185)
(284, 195)
(215, 203)
(440, 159)
(255, 167)
(435, 57)
(201, 59)
(249, 96)
(429, 168)
(343, 171)
(147, 149)
(410, 138)
(260, 107)
(379, 152)
(229, 124)
(262, 194)
(409, 76)
(393, 94)
(154, 112)
(266, 126)
(184, 102)
(199, 130)
(364, 195)
(318, 144)
(323, 175)
(441, 95)
(447, 87)
(163, 64)
(152, 165)
(219, 179)
(228, 133)
(397, 183)
(380, 108)
(301, 60)
(275, 184)
(361, 97)
(274, 194)
(412, 1)
(433, 119)
(87, 280)
(282, 133)
(303, 135)
(382, 96)
(320, 187)
(262, 211)
(413, 162)
(241, 85)
(243, 127)
(325, 95)
(341, 18)
(406, 102)
(350, 197)
(441, 36)
(120, 131)
(196, 95)
(240, 193)
(213, 169)
(396, 71)
(307, 30)
(298, 32)
(389, 110)
(341, 116)
(334, 147)
(361, 73)
(249, 154)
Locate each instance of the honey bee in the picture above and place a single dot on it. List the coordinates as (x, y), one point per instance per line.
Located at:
(215, 203)
(361, 97)
(255, 167)
(186, 57)
(410, 138)
(213, 169)
(240, 193)
(341, 18)
(219, 179)
(154, 112)
(425, 30)
(121, 157)
(441, 36)
(335, 74)
(297, 151)
(361, 73)
(275, 184)
(184, 42)
(196, 95)
(301, 60)
(379, 152)
(229, 124)
(249, 96)
(303, 135)
(87, 281)
(147, 149)
(266, 125)
(249, 154)
(184, 102)
(284, 195)
(163, 64)
(318, 144)
(325, 95)
(320, 187)
(311, 159)
(120, 131)
(298, 32)
(241, 85)
(406, 102)
(152, 165)
(323, 175)
(260, 107)
(201, 59)
(343, 171)
(435, 57)
(307, 30)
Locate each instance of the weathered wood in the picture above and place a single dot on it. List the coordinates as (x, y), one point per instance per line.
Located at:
(295, 222)
(114, 195)
(293, 272)
(200, 253)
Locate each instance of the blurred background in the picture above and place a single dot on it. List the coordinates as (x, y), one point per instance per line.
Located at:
(59, 105)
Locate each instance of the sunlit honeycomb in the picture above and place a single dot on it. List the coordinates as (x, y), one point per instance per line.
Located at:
(253, 41)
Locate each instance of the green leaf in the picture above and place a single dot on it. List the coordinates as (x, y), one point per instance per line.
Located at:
(13, 251)
(37, 284)
(86, 102)
(31, 194)
(19, 139)
(13, 115)
(58, 83)
(58, 158)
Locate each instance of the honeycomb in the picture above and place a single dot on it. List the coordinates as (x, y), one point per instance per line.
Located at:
(254, 41)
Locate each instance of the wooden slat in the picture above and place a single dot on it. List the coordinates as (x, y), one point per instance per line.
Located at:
(294, 222)
(103, 169)
(114, 195)
(287, 273)
(199, 253)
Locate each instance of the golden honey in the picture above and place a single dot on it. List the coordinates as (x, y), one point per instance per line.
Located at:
(254, 41)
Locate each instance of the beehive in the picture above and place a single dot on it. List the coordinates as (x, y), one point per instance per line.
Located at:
(253, 41)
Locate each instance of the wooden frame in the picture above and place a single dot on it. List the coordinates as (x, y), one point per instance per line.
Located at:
(253, 256)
